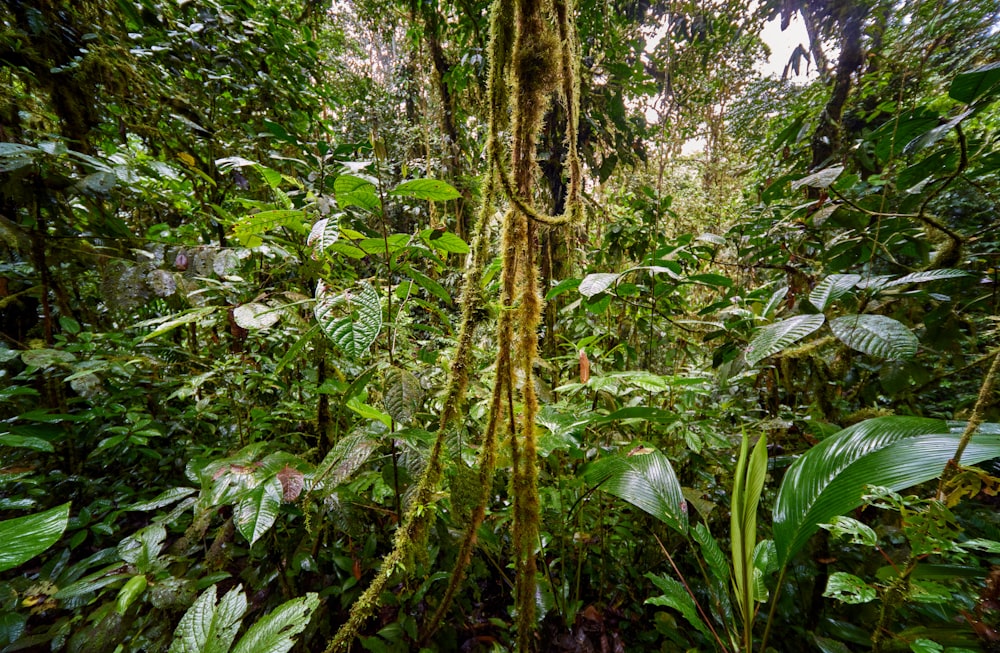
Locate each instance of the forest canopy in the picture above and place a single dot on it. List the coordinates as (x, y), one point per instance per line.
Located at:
(527, 325)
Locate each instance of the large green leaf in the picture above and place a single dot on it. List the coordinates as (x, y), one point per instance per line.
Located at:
(893, 452)
(832, 288)
(875, 335)
(974, 84)
(207, 628)
(357, 330)
(647, 481)
(22, 538)
(274, 633)
(426, 189)
(775, 337)
(256, 512)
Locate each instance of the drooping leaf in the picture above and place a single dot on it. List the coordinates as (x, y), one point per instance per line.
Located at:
(345, 458)
(925, 276)
(979, 82)
(875, 335)
(676, 597)
(171, 322)
(256, 512)
(820, 179)
(275, 632)
(22, 538)
(934, 135)
(775, 337)
(893, 452)
(165, 498)
(256, 315)
(357, 330)
(210, 628)
(25, 442)
(402, 395)
(428, 284)
(426, 189)
(832, 288)
(596, 283)
(647, 481)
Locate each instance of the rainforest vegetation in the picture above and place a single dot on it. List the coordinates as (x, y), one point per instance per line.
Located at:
(499, 325)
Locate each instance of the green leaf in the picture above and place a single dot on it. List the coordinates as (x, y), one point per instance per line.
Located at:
(820, 179)
(171, 322)
(355, 191)
(712, 553)
(647, 481)
(355, 332)
(597, 283)
(444, 241)
(751, 470)
(925, 276)
(369, 412)
(207, 628)
(275, 632)
(713, 280)
(428, 284)
(25, 537)
(676, 597)
(264, 221)
(970, 86)
(142, 548)
(875, 335)
(165, 498)
(256, 315)
(561, 287)
(132, 590)
(402, 395)
(855, 531)
(323, 235)
(848, 588)
(426, 189)
(893, 452)
(923, 645)
(832, 288)
(345, 458)
(257, 511)
(26, 442)
(775, 337)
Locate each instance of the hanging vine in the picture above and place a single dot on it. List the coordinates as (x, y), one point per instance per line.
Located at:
(533, 54)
